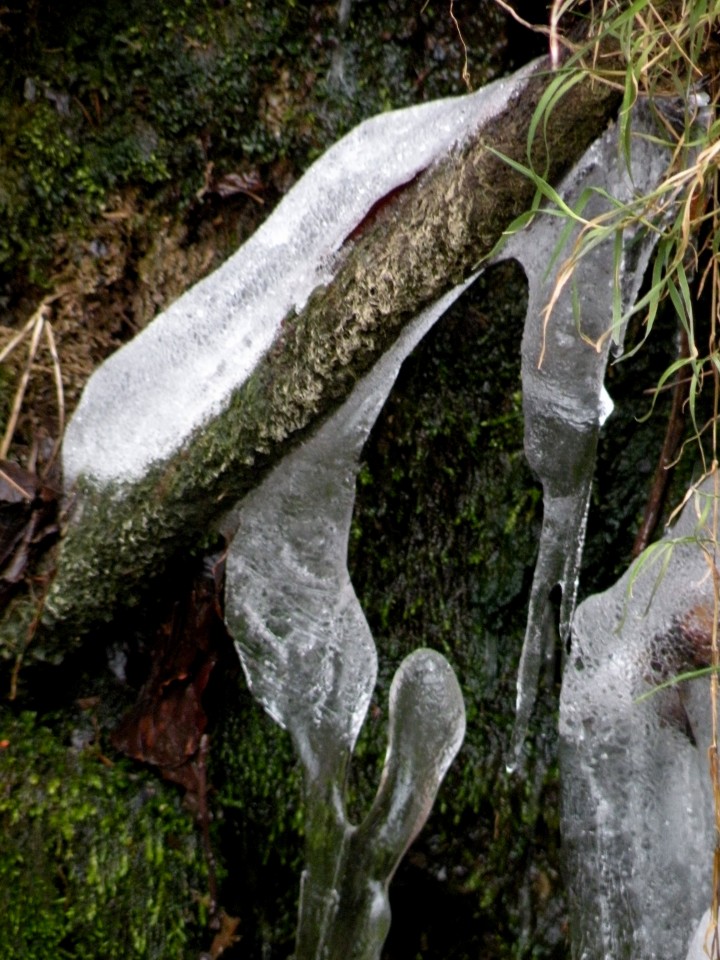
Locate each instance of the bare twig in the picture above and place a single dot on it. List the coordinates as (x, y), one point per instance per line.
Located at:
(38, 319)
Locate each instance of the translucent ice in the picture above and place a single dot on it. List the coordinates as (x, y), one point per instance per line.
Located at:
(563, 369)
(345, 912)
(638, 828)
(701, 947)
(291, 604)
(144, 402)
(309, 658)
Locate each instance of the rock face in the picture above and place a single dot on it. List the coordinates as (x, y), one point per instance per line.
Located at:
(637, 802)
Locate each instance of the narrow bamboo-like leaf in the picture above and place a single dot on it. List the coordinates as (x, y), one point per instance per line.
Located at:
(664, 377)
(686, 295)
(617, 304)
(680, 678)
(541, 184)
(630, 94)
(556, 90)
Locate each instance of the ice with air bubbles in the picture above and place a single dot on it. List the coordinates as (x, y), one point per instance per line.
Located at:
(638, 829)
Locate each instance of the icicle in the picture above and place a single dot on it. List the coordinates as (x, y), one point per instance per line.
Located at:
(564, 399)
(309, 658)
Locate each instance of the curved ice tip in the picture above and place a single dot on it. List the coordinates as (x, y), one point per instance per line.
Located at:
(515, 762)
(606, 405)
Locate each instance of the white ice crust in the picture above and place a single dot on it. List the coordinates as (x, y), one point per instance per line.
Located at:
(143, 404)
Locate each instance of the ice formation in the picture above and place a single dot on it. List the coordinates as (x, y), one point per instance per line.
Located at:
(288, 565)
(304, 643)
(701, 945)
(563, 368)
(344, 903)
(143, 403)
(310, 659)
(305, 646)
(638, 828)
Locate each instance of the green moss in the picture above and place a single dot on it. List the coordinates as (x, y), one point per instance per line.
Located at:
(147, 95)
(258, 808)
(96, 860)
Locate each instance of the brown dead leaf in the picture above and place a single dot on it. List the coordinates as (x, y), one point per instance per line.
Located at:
(232, 184)
(166, 726)
(28, 510)
(226, 936)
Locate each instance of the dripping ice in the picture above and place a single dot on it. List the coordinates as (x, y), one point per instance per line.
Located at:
(288, 564)
(564, 357)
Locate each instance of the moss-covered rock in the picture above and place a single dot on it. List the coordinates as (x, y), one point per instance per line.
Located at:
(157, 96)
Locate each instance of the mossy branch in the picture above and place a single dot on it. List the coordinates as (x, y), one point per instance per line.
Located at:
(430, 238)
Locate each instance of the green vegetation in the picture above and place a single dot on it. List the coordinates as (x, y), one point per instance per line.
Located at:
(156, 97)
(97, 859)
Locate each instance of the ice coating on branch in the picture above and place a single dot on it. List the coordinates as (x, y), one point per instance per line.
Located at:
(142, 404)
(637, 823)
(563, 369)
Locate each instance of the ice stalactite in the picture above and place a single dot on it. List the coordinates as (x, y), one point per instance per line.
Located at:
(564, 357)
(310, 659)
(701, 944)
(638, 827)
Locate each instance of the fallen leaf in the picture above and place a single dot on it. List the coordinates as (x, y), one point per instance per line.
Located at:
(226, 936)
(28, 510)
(167, 723)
